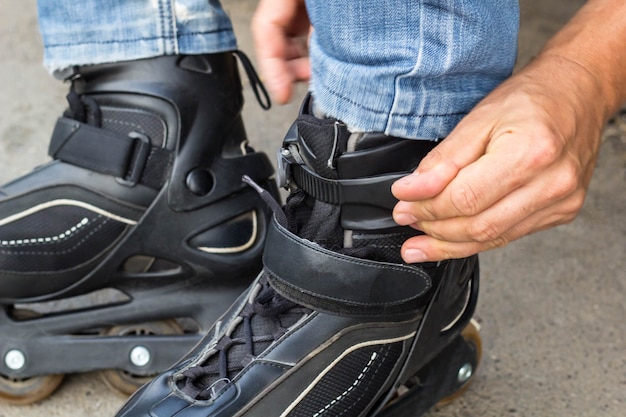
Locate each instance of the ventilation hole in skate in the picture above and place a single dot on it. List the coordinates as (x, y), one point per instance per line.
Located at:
(137, 264)
(148, 328)
(140, 264)
(233, 236)
(189, 325)
(90, 301)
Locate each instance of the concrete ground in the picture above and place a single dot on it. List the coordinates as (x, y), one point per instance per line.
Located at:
(552, 304)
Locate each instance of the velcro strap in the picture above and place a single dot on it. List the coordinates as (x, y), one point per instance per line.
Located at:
(329, 281)
(108, 152)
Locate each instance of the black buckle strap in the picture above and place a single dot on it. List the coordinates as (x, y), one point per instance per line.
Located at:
(372, 191)
(366, 202)
(138, 159)
(104, 151)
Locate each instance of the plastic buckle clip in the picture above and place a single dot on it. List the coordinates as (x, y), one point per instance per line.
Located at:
(287, 157)
(138, 159)
(282, 169)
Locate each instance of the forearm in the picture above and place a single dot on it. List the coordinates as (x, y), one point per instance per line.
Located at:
(595, 40)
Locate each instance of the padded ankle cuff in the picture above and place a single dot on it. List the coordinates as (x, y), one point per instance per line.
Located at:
(328, 281)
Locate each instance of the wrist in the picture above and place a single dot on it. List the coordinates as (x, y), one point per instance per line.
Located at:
(572, 85)
(591, 52)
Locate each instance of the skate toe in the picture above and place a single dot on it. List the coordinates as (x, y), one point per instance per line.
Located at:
(160, 398)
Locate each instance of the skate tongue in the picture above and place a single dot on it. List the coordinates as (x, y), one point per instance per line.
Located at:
(321, 142)
(319, 224)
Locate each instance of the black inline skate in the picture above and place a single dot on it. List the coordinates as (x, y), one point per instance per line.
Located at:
(336, 324)
(118, 254)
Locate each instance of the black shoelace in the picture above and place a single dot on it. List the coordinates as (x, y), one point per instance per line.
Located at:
(262, 321)
(259, 324)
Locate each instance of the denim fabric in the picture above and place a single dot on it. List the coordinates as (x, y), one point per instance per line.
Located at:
(409, 68)
(80, 32)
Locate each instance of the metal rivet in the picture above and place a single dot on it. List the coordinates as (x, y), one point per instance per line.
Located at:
(140, 356)
(15, 359)
(465, 372)
(200, 181)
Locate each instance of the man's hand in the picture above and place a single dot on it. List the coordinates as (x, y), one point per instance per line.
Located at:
(521, 161)
(518, 163)
(280, 29)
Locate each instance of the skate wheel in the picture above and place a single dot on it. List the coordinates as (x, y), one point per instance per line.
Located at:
(24, 391)
(126, 382)
(471, 334)
(28, 390)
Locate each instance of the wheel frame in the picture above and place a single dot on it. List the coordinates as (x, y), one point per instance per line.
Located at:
(125, 382)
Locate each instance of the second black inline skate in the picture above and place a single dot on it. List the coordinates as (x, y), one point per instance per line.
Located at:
(118, 254)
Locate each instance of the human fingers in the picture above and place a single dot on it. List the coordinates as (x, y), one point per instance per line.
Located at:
(465, 145)
(540, 175)
(425, 248)
(512, 159)
(499, 222)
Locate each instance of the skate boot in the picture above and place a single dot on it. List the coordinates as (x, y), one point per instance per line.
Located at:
(139, 233)
(335, 324)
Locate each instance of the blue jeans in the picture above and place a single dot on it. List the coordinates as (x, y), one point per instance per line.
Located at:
(410, 68)
(82, 32)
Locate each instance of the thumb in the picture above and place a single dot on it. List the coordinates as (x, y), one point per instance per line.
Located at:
(424, 182)
(465, 145)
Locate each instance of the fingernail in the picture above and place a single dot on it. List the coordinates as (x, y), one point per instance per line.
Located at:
(414, 256)
(404, 219)
(408, 179)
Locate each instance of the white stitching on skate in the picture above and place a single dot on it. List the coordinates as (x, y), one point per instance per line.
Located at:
(94, 230)
(69, 232)
(62, 202)
(308, 389)
(356, 382)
